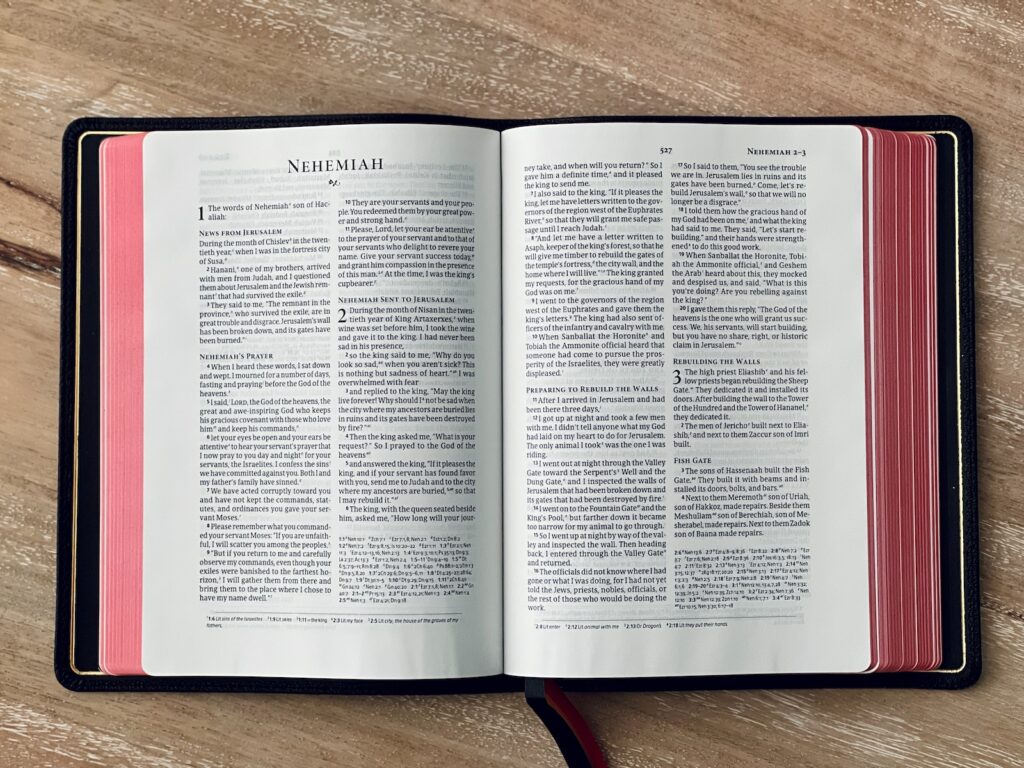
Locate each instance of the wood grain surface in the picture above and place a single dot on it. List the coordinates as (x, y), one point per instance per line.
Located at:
(61, 60)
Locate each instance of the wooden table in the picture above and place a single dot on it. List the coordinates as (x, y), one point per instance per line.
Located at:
(60, 60)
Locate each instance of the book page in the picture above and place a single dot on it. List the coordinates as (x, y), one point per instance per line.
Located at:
(685, 472)
(322, 402)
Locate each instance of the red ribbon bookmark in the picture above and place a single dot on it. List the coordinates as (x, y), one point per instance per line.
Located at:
(570, 731)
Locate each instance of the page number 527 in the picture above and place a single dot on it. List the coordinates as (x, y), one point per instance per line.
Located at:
(666, 150)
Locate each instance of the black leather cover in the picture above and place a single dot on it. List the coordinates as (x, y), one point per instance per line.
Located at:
(76, 626)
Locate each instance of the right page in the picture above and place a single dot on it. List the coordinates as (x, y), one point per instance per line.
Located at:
(684, 400)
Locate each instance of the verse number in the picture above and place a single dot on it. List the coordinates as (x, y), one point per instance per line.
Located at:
(666, 150)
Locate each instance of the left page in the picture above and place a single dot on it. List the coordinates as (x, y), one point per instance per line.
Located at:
(322, 490)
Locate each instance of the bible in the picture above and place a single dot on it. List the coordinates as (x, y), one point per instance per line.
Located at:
(407, 403)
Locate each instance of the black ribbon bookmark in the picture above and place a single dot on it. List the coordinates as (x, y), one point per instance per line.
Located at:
(570, 731)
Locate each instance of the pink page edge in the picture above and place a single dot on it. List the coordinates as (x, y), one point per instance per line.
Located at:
(121, 403)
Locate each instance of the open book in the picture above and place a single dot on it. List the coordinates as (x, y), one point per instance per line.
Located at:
(578, 400)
